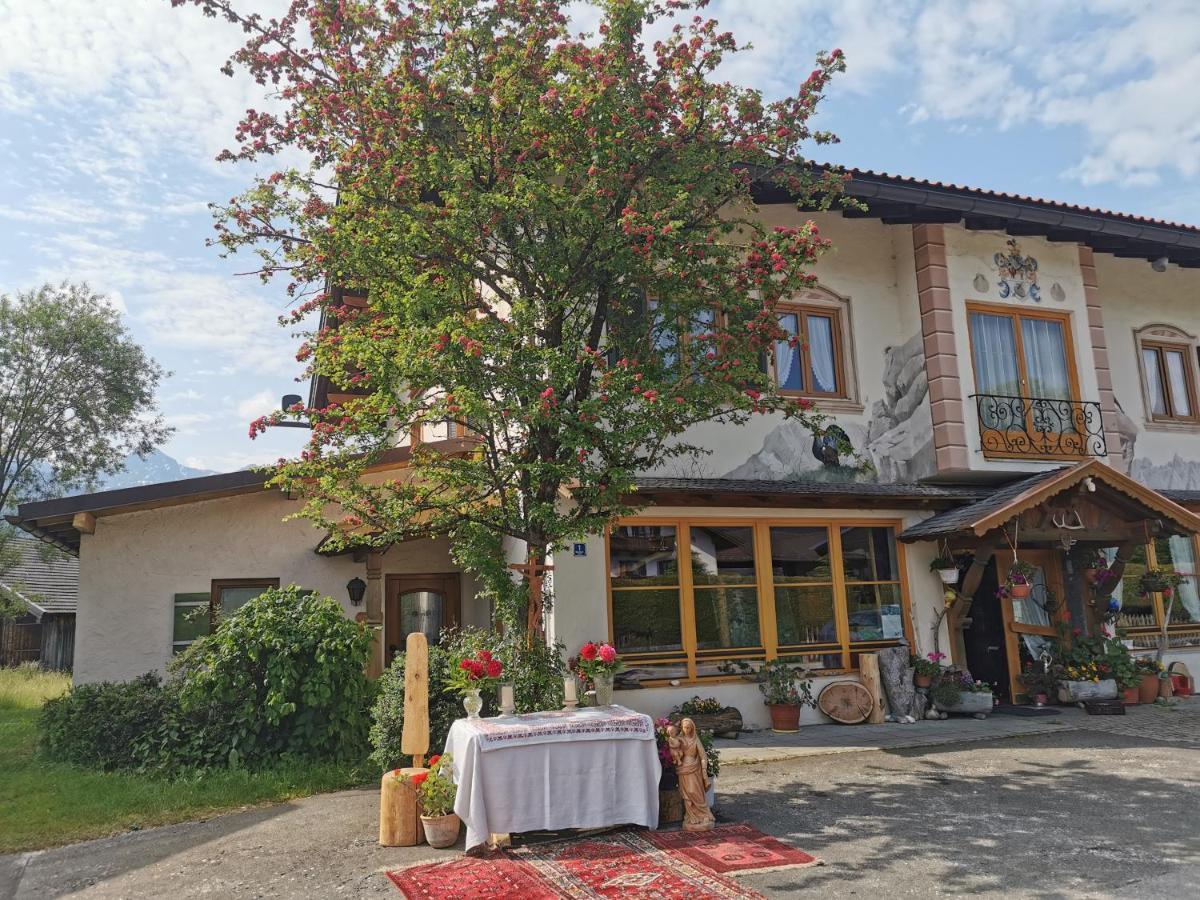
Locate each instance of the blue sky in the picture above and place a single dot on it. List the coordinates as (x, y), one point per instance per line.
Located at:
(111, 114)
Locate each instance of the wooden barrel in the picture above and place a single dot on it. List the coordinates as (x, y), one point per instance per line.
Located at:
(399, 810)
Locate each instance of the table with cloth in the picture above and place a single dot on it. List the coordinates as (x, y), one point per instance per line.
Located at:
(584, 768)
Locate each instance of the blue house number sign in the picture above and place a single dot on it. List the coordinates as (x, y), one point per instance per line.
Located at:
(579, 550)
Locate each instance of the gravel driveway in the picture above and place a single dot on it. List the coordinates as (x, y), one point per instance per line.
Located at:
(1082, 813)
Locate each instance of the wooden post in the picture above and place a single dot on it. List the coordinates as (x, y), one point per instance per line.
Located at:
(414, 738)
(375, 662)
(957, 618)
(399, 805)
(868, 670)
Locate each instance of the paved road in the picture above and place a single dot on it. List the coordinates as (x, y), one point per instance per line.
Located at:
(1079, 813)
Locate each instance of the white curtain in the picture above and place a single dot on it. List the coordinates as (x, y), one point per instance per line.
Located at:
(820, 351)
(1177, 374)
(995, 349)
(1032, 611)
(787, 358)
(1187, 595)
(1046, 359)
(1158, 398)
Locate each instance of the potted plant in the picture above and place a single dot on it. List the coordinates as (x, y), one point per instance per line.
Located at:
(470, 676)
(1148, 669)
(1039, 684)
(436, 791)
(600, 663)
(1086, 681)
(785, 690)
(670, 804)
(1020, 579)
(946, 569)
(925, 670)
(710, 714)
(1160, 581)
(1093, 562)
(958, 692)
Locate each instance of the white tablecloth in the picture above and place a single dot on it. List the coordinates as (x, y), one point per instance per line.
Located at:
(551, 785)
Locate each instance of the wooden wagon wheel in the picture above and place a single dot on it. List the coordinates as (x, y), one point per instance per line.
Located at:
(847, 702)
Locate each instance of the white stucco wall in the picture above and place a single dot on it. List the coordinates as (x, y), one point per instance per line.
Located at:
(581, 608)
(871, 265)
(135, 563)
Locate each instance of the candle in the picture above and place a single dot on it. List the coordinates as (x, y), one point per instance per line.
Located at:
(507, 707)
(569, 691)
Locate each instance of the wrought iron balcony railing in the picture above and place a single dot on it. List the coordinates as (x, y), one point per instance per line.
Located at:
(1030, 427)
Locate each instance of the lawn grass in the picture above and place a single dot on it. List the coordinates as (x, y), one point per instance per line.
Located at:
(44, 803)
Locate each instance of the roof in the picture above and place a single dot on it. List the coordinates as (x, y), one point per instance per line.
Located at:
(54, 521)
(727, 491)
(48, 583)
(1011, 500)
(899, 199)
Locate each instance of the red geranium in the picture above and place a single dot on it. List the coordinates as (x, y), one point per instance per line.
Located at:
(433, 760)
(417, 778)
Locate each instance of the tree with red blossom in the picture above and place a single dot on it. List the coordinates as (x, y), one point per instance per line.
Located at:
(558, 240)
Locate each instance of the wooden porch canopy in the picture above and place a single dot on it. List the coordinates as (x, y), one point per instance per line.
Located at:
(1125, 500)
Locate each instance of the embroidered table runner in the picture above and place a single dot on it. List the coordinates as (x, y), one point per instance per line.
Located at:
(588, 724)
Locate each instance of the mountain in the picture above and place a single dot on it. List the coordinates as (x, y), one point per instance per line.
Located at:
(156, 467)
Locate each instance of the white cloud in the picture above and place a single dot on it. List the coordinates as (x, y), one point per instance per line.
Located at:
(259, 405)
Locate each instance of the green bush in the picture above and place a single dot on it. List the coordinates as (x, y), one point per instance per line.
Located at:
(281, 677)
(287, 669)
(104, 725)
(536, 674)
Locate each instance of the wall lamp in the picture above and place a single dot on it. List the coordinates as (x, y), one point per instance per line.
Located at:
(356, 588)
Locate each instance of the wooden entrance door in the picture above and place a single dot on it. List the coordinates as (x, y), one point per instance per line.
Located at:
(1032, 623)
(425, 603)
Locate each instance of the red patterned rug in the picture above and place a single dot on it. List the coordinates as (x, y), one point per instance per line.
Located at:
(633, 864)
(733, 849)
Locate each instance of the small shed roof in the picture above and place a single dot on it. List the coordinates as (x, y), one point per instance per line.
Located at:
(48, 583)
(1011, 500)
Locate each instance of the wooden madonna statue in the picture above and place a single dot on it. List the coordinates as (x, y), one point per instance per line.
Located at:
(691, 766)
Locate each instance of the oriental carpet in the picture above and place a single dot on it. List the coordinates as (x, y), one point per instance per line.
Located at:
(633, 864)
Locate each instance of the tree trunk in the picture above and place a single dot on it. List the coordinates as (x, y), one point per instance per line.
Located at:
(897, 675)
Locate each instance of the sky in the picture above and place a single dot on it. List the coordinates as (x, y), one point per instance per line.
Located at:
(111, 115)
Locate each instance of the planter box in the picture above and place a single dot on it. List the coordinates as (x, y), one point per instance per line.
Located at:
(969, 703)
(1075, 691)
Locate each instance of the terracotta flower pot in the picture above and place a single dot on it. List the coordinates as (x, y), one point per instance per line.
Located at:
(441, 831)
(922, 681)
(1129, 696)
(1041, 700)
(784, 716)
(1019, 591)
(1148, 688)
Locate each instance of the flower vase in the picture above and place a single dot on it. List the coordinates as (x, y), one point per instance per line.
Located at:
(604, 689)
(472, 703)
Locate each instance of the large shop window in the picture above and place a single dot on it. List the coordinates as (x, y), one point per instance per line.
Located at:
(197, 614)
(1141, 616)
(813, 593)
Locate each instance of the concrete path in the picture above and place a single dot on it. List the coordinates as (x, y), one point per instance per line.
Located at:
(1092, 807)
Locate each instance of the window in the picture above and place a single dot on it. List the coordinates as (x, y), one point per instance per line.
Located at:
(1141, 616)
(817, 593)
(1167, 357)
(810, 361)
(1026, 390)
(197, 614)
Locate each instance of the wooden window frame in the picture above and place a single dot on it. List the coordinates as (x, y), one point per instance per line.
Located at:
(765, 584)
(1159, 606)
(1016, 313)
(219, 584)
(1160, 348)
(802, 311)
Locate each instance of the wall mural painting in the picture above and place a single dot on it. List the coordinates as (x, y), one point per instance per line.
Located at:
(897, 438)
(1018, 274)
